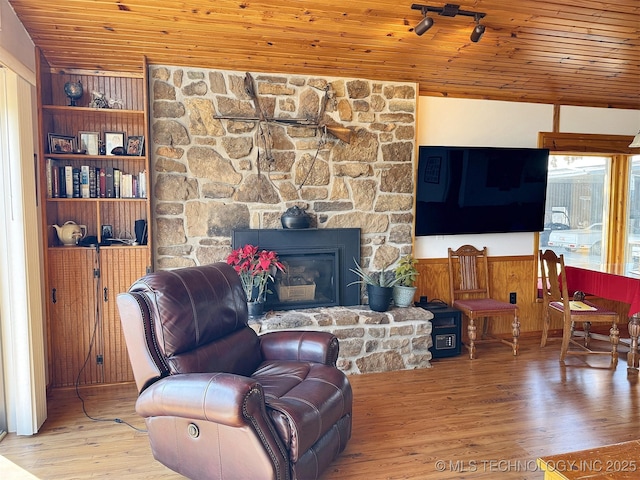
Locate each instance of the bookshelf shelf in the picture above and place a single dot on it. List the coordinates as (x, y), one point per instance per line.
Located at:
(75, 157)
(74, 111)
(82, 282)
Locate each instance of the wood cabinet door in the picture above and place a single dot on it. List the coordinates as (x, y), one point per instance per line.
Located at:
(120, 267)
(74, 320)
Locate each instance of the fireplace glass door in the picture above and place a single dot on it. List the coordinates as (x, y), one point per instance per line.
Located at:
(309, 280)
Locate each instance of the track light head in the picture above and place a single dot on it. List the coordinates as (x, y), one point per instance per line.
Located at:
(423, 25)
(477, 32)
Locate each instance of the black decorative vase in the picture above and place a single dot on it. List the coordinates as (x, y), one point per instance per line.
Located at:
(256, 309)
(295, 217)
(379, 297)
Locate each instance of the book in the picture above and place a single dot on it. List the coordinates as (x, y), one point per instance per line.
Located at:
(576, 305)
(116, 182)
(84, 182)
(76, 183)
(62, 192)
(109, 182)
(49, 167)
(55, 181)
(142, 184)
(68, 181)
(102, 182)
(93, 183)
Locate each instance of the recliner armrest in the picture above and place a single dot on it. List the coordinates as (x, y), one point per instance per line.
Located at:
(302, 346)
(215, 397)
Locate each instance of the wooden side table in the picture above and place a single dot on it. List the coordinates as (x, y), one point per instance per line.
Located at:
(620, 461)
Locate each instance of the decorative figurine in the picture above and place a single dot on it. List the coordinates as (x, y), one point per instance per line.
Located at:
(99, 100)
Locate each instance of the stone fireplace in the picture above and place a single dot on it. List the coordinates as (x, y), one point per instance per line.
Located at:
(211, 175)
(317, 265)
(217, 169)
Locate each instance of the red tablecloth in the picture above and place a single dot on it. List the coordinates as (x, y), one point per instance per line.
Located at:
(606, 285)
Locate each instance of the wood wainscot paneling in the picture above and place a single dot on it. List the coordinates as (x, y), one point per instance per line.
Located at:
(506, 274)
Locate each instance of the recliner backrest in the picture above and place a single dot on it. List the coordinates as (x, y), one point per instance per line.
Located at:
(197, 321)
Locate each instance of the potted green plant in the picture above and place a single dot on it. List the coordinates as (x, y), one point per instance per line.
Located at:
(404, 288)
(379, 286)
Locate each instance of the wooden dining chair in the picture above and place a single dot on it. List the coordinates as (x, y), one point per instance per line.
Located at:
(557, 303)
(470, 293)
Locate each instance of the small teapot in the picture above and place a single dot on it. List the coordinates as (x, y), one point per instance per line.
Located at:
(70, 233)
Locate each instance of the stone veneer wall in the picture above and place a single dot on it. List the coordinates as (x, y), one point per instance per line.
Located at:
(212, 175)
(398, 339)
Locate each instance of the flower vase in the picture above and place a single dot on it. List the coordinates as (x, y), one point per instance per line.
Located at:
(256, 309)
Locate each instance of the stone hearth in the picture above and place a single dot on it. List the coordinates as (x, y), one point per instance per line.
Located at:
(398, 339)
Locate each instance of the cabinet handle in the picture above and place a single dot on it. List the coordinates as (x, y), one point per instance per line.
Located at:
(53, 295)
(106, 294)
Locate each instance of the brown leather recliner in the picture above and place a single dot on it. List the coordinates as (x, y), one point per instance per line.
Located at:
(219, 401)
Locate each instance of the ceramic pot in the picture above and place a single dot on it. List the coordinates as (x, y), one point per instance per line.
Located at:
(256, 309)
(379, 297)
(403, 296)
(295, 217)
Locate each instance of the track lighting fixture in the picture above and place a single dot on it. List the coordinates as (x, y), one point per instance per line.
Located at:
(423, 25)
(449, 10)
(477, 32)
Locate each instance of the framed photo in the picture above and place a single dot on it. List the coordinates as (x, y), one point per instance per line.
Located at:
(61, 143)
(135, 145)
(89, 141)
(113, 140)
(106, 232)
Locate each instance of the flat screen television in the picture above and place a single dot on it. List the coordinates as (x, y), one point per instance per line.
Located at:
(464, 190)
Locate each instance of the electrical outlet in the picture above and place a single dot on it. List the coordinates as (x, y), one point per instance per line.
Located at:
(513, 298)
(99, 359)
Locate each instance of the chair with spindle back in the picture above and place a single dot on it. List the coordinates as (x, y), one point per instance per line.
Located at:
(470, 293)
(557, 303)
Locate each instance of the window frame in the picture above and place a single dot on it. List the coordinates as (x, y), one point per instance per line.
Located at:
(616, 147)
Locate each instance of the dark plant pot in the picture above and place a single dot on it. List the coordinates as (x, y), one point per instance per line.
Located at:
(379, 297)
(256, 309)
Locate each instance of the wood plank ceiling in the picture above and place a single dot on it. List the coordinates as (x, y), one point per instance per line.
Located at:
(565, 52)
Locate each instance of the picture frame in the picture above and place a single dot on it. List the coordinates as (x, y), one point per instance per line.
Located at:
(113, 140)
(135, 145)
(106, 232)
(61, 143)
(89, 141)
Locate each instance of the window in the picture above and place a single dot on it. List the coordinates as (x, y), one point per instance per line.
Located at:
(576, 207)
(632, 252)
(609, 199)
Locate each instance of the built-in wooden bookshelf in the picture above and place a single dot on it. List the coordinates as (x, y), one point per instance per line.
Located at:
(85, 343)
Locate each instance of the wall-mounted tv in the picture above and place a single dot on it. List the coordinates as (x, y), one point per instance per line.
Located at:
(463, 190)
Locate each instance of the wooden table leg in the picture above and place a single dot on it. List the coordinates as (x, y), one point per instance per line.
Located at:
(515, 330)
(633, 357)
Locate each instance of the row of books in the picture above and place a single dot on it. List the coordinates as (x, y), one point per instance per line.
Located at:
(67, 181)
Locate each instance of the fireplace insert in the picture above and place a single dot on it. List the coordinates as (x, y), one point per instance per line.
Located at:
(317, 263)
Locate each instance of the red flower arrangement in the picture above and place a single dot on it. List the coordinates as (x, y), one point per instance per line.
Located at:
(255, 269)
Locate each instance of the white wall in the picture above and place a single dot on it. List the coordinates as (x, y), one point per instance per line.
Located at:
(465, 122)
(16, 47)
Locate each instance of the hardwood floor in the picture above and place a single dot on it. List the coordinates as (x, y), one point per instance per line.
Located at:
(487, 418)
